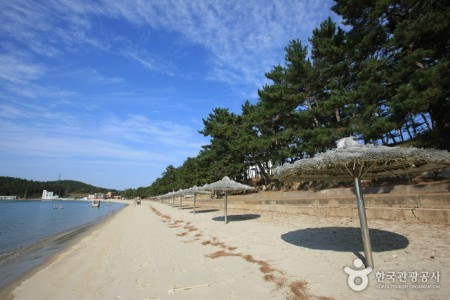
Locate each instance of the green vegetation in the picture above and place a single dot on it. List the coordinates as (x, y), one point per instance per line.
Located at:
(384, 79)
(30, 189)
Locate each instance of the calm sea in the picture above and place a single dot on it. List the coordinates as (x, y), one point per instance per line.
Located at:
(31, 231)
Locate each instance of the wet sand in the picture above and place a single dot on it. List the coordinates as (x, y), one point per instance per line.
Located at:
(154, 251)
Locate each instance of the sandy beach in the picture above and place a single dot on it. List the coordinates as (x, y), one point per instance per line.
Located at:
(155, 251)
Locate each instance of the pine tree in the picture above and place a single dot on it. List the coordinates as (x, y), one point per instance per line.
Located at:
(224, 129)
(400, 65)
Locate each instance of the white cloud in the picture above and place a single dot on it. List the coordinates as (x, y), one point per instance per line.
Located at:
(140, 129)
(17, 69)
(66, 90)
(245, 38)
(40, 131)
(151, 63)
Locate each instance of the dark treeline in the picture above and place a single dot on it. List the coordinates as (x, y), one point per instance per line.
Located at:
(384, 79)
(30, 189)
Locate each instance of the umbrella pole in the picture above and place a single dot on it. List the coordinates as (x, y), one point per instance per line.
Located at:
(363, 222)
(195, 196)
(181, 201)
(226, 213)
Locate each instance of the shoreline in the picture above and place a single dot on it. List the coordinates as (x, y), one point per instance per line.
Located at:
(49, 249)
(146, 250)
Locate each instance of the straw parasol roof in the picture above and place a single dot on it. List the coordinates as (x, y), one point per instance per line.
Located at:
(226, 185)
(350, 160)
(368, 160)
(194, 191)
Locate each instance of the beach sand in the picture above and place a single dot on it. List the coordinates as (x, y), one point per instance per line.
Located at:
(155, 251)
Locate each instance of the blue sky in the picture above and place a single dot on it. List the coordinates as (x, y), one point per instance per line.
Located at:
(112, 92)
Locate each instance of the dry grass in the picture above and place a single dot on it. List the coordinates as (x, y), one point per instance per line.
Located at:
(249, 258)
(176, 224)
(190, 228)
(155, 211)
(191, 241)
(214, 243)
(221, 253)
(265, 267)
(269, 277)
(298, 289)
(277, 280)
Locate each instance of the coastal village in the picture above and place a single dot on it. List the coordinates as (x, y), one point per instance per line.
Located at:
(49, 195)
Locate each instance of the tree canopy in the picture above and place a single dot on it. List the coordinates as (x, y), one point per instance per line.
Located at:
(383, 78)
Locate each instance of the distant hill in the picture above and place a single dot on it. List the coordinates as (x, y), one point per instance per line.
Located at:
(10, 186)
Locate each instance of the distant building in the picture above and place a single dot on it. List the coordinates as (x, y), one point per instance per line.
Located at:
(8, 197)
(113, 195)
(96, 196)
(47, 195)
(255, 171)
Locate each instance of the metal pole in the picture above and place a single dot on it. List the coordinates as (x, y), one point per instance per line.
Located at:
(181, 201)
(195, 196)
(363, 222)
(226, 214)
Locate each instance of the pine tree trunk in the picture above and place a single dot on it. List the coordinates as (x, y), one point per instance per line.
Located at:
(425, 119)
(338, 115)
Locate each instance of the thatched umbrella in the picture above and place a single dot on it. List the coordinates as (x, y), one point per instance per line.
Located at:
(170, 195)
(351, 160)
(179, 193)
(194, 191)
(225, 185)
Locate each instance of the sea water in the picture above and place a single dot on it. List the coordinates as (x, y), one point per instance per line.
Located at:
(32, 230)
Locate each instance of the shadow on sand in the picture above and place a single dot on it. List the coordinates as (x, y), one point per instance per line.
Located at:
(232, 218)
(186, 207)
(345, 239)
(204, 211)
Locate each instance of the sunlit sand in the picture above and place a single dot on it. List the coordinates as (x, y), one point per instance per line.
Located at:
(155, 251)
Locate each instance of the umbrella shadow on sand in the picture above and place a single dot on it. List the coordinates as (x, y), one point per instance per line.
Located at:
(233, 218)
(344, 239)
(205, 211)
(353, 160)
(185, 207)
